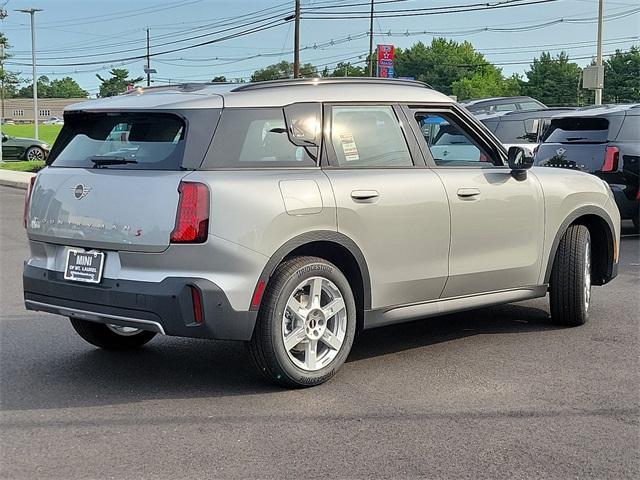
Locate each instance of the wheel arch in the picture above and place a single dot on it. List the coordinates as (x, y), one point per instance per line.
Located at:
(603, 242)
(336, 248)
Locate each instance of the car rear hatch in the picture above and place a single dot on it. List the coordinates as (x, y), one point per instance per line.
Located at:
(114, 177)
(579, 143)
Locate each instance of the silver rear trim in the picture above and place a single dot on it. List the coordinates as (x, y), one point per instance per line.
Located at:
(95, 316)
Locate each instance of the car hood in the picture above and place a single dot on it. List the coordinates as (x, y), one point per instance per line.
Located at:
(27, 141)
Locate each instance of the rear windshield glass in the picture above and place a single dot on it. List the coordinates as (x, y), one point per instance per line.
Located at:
(255, 138)
(145, 141)
(577, 130)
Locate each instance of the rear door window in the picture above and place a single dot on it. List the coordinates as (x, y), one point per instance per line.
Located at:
(630, 130)
(450, 145)
(577, 130)
(368, 136)
(255, 138)
(121, 140)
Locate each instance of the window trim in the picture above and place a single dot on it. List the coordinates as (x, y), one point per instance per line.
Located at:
(482, 135)
(329, 158)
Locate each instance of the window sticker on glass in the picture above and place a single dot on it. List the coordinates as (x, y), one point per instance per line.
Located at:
(349, 147)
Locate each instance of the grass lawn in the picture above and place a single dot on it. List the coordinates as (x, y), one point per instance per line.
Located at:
(47, 133)
(22, 166)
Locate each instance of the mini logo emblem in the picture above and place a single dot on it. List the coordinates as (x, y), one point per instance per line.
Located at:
(561, 151)
(80, 191)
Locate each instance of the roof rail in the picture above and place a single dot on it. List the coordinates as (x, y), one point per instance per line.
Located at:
(184, 87)
(329, 80)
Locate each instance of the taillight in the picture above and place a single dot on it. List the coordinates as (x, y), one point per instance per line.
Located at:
(196, 298)
(611, 155)
(27, 200)
(192, 219)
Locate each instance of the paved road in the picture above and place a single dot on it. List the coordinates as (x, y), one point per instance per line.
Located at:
(497, 393)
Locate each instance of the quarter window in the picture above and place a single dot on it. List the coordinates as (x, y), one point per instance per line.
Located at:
(368, 136)
(449, 144)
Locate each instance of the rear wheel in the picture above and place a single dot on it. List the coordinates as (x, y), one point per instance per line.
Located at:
(34, 153)
(111, 337)
(570, 289)
(306, 323)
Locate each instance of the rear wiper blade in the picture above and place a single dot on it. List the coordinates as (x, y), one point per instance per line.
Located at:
(104, 161)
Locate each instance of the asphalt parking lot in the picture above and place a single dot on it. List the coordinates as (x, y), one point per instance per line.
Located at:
(495, 393)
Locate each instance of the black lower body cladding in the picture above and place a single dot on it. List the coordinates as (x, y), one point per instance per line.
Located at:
(164, 307)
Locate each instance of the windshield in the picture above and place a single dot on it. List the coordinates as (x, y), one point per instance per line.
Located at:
(121, 140)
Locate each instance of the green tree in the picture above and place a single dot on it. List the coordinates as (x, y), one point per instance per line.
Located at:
(282, 69)
(441, 63)
(553, 80)
(118, 82)
(622, 77)
(219, 79)
(9, 81)
(343, 69)
(486, 82)
(44, 85)
(62, 88)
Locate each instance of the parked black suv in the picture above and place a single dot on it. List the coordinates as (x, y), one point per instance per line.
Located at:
(502, 104)
(604, 141)
(521, 128)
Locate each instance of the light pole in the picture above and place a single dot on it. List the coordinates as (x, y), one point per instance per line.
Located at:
(598, 99)
(32, 12)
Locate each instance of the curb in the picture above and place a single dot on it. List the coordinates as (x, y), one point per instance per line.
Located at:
(9, 178)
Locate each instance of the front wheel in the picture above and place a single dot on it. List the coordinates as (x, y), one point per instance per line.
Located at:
(306, 323)
(570, 288)
(111, 337)
(34, 153)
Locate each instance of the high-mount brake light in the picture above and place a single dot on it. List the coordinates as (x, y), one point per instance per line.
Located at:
(27, 200)
(611, 155)
(192, 219)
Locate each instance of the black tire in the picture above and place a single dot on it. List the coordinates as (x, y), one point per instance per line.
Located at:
(636, 223)
(101, 336)
(570, 289)
(35, 154)
(267, 348)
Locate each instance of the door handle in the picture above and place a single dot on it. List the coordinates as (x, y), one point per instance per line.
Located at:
(364, 195)
(468, 192)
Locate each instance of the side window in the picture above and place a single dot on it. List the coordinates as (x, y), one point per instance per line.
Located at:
(255, 137)
(368, 136)
(529, 106)
(506, 107)
(630, 131)
(449, 144)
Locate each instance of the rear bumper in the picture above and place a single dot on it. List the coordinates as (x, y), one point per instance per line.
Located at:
(164, 307)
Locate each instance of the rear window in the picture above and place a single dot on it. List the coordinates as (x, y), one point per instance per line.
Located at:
(518, 131)
(577, 130)
(145, 141)
(630, 131)
(255, 138)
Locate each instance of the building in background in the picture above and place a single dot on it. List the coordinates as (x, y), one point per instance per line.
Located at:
(20, 110)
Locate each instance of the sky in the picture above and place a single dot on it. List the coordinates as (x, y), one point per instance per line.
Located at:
(104, 34)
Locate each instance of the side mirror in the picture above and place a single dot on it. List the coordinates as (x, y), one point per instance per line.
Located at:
(518, 159)
(304, 125)
(4, 138)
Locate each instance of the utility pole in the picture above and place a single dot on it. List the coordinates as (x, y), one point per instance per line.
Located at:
(599, 51)
(371, 42)
(296, 42)
(148, 69)
(32, 12)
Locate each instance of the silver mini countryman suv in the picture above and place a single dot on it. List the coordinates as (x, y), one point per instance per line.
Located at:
(291, 214)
